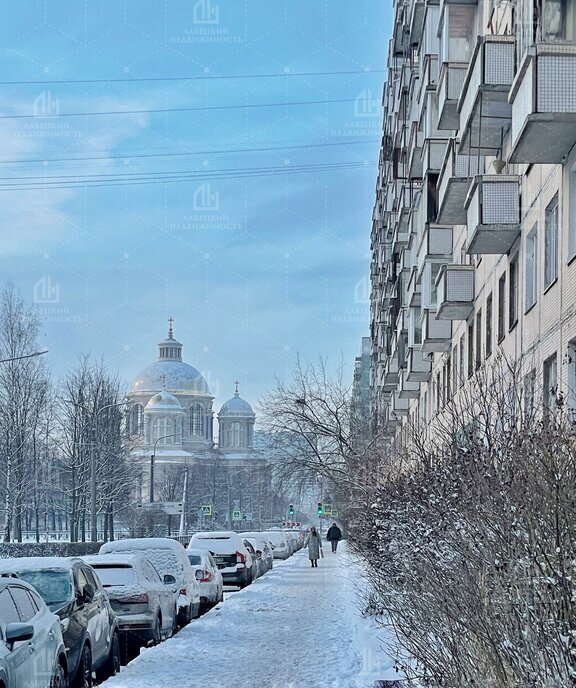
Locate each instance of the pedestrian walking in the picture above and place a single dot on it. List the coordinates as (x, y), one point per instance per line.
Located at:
(314, 543)
(334, 535)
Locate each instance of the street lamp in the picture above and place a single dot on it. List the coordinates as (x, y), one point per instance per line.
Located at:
(93, 494)
(19, 358)
(153, 458)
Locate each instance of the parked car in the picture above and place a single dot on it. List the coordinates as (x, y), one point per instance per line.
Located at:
(208, 576)
(145, 604)
(71, 589)
(264, 549)
(32, 654)
(168, 557)
(280, 542)
(230, 554)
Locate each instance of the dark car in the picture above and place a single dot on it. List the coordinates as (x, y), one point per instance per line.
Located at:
(32, 652)
(71, 589)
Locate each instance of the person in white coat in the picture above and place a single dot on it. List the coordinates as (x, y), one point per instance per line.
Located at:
(314, 543)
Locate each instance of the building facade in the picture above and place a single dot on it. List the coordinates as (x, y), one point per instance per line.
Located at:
(474, 227)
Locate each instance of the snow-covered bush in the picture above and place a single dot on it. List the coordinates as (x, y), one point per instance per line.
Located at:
(470, 540)
(11, 550)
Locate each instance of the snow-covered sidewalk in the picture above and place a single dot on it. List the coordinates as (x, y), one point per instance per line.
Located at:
(296, 627)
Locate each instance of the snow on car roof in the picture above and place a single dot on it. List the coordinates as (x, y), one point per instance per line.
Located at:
(113, 558)
(144, 544)
(37, 563)
(215, 535)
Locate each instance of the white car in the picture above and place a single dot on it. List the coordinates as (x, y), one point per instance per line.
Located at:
(168, 557)
(146, 605)
(282, 549)
(263, 546)
(208, 576)
(230, 554)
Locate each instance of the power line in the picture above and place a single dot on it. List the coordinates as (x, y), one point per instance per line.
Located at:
(190, 109)
(188, 153)
(188, 78)
(182, 177)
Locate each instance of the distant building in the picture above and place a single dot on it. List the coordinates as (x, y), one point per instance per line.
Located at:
(170, 421)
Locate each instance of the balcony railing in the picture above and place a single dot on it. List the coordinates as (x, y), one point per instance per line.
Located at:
(419, 366)
(543, 100)
(432, 155)
(399, 405)
(414, 293)
(453, 183)
(406, 389)
(435, 245)
(450, 84)
(483, 106)
(493, 212)
(455, 289)
(436, 334)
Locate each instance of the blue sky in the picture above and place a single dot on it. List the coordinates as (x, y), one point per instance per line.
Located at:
(254, 267)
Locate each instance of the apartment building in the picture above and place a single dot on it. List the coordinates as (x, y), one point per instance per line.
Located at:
(474, 226)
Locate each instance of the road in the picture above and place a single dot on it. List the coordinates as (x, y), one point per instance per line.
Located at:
(296, 627)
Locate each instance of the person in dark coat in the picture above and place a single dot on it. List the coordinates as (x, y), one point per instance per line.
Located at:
(314, 543)
(334, 535)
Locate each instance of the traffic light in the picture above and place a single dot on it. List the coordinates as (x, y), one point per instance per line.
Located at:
(320, 509)
(291, 510)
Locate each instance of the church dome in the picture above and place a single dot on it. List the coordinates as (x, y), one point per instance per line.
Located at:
(170, 372)
(164, 401)
(237, 407)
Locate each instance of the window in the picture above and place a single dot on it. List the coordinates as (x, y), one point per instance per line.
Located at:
(438, 392)
(470, 349)
(478, 339)
(197, 420)
(447, 380)
(235, 435)
(8, 611)
(531, 267)
(502, 308)
(551, 242)
(513, 292)
(24, 603)
(454, 369)
(529, 390)
(161, 427)
(572, 218)
(550, 383)
(137, 420)
(461, 360)
(488, 339)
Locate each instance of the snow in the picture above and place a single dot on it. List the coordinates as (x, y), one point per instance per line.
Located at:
(296, 627)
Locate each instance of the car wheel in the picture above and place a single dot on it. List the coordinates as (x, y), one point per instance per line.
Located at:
(59, 678)
(184, 617)
(157, 633)
(112, 664)
(84, 673)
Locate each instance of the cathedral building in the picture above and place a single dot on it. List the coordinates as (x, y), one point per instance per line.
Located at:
(170, 423)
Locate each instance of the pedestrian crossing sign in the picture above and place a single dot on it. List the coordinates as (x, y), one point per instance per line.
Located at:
(206, 509)
(236, 515)
(327, 509)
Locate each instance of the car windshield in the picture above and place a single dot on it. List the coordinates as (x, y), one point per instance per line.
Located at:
(115, 575)
(55, 587)
(195, 559)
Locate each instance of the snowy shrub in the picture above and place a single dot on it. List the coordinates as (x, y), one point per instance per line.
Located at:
(15, 550)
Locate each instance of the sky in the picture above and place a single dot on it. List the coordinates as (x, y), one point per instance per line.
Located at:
(241, 207)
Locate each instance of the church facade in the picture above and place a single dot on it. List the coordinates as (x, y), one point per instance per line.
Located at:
(170, 422)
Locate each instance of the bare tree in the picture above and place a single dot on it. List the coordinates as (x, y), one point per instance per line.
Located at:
(24, 389)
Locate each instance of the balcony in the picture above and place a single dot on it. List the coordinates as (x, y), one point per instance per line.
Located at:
(407, 390)
(391, 371)
(419, 366)
(543, 100)
(455, 289)
(493, 213)
(454, 182)
(414, 323)
(414, 293)
(415, 148)
(436, 334)
(399, 405)
(432, 155)
(435, 245)
(449, 89)
(483, 106)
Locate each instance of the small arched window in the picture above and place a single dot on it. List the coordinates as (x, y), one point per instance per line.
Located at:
(235, 435)
(197, 420)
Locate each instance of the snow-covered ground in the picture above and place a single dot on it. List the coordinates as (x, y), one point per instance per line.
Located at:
(297, 627)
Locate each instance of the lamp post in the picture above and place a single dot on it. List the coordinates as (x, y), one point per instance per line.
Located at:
(153, 459)
(93, 491)
(20, 358)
